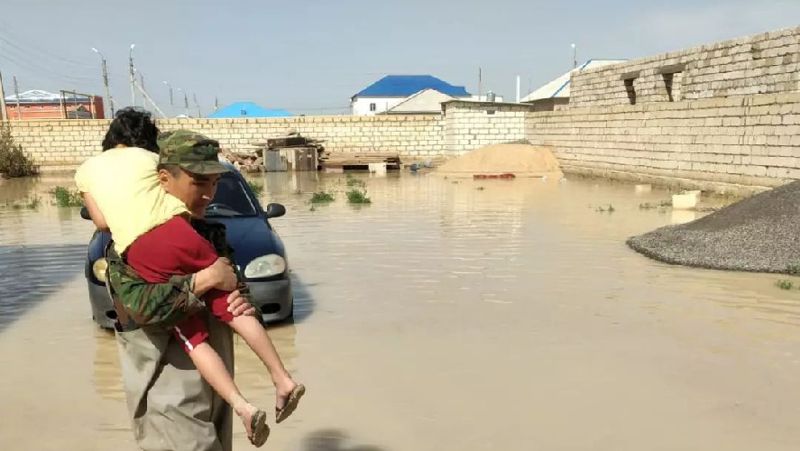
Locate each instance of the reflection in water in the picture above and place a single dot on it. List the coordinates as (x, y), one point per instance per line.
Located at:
(683, 216)
(303, 301)
(107, 376)
(17, 189)
(29, 273)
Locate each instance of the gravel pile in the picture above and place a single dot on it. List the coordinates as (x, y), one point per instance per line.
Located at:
(760, 233)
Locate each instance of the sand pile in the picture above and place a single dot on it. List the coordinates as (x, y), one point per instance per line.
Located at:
(519, 159)
(760, 233)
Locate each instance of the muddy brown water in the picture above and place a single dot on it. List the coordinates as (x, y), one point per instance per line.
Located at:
(440, 317)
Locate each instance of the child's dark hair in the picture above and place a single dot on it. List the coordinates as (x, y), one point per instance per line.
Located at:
(132, 127)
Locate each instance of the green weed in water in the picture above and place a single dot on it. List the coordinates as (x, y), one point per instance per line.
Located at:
(321, 197)
(784, 284)
(649, 206)
(67, 198)
(358, 196)
(31, 203)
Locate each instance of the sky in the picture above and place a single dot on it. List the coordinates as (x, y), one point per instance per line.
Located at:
(310, 57)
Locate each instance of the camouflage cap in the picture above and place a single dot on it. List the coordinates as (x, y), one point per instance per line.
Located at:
(191, 151)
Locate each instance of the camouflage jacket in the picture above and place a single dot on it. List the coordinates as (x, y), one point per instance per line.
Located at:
(138, 303)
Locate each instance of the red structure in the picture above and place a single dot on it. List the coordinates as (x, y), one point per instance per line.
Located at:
(38, 104)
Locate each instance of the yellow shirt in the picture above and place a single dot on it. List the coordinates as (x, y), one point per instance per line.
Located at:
(124, 183)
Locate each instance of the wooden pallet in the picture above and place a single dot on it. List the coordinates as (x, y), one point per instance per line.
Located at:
(358, 161)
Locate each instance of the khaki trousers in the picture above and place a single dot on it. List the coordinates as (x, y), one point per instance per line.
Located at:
(172, 408)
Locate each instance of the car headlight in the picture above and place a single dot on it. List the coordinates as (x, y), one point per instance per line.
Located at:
(99, 269)
(265, 266)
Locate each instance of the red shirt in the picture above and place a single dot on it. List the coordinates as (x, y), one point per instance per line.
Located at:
(170, 249)
(175, 248)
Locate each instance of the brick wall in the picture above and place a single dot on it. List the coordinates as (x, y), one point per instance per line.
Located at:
(747, 140)
(766, 63)
(470, 125)
(64, 144)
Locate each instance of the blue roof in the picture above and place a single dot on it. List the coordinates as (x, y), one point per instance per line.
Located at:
(247, 109)
(405, 85)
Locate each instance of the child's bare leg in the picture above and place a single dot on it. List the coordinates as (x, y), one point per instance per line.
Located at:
(213, 370)
(253, 333)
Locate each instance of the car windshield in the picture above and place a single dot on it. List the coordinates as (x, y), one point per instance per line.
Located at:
(231, 199)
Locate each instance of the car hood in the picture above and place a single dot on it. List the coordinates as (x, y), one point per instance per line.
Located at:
(250, 237)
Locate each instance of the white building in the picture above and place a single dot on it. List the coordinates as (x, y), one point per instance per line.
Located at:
(556, 92)
(427, 101)
(391, 90)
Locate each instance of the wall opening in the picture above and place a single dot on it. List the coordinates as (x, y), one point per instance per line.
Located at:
(672, 76)
(668, 85)
(631, 90)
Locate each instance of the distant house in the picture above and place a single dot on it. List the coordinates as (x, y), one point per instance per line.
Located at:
(427, 101)
(247, 109)
(556, 92)
(391, 90)
(39, 104)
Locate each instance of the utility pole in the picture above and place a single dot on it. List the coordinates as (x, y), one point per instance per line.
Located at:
(216, 103)
(108, 91)
(132, 77)
(3, 115)
(171, 103)
(479, 84)
(574, 56)
(197, 105)
(186, 102)
(16, 94)
(105, 80)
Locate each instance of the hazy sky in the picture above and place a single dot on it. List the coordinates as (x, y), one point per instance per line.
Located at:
(311, 56)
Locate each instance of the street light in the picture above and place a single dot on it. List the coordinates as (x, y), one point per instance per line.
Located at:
(574, 56)
(105, 79)
(130, 70)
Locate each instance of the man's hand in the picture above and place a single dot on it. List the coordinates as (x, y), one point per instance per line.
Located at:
(239, 305)
(219, 275)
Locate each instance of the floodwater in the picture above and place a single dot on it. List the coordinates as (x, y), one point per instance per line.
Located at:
(446, 315)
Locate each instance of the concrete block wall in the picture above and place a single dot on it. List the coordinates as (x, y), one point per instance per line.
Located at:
(64, 144)
(470, 125)
(748, 140)
(766, 63)
(59, 143)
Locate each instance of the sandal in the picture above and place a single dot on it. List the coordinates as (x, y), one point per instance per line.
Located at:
(291, 403)
(259, 428)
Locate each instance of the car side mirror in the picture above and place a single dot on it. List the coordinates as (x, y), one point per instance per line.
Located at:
(85, 213)
(275, 211)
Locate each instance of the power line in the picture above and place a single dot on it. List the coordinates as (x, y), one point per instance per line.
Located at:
(30, 48)
(24, 63)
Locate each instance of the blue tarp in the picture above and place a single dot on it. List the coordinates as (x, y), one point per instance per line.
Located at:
(247, 109)
(405, 85)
